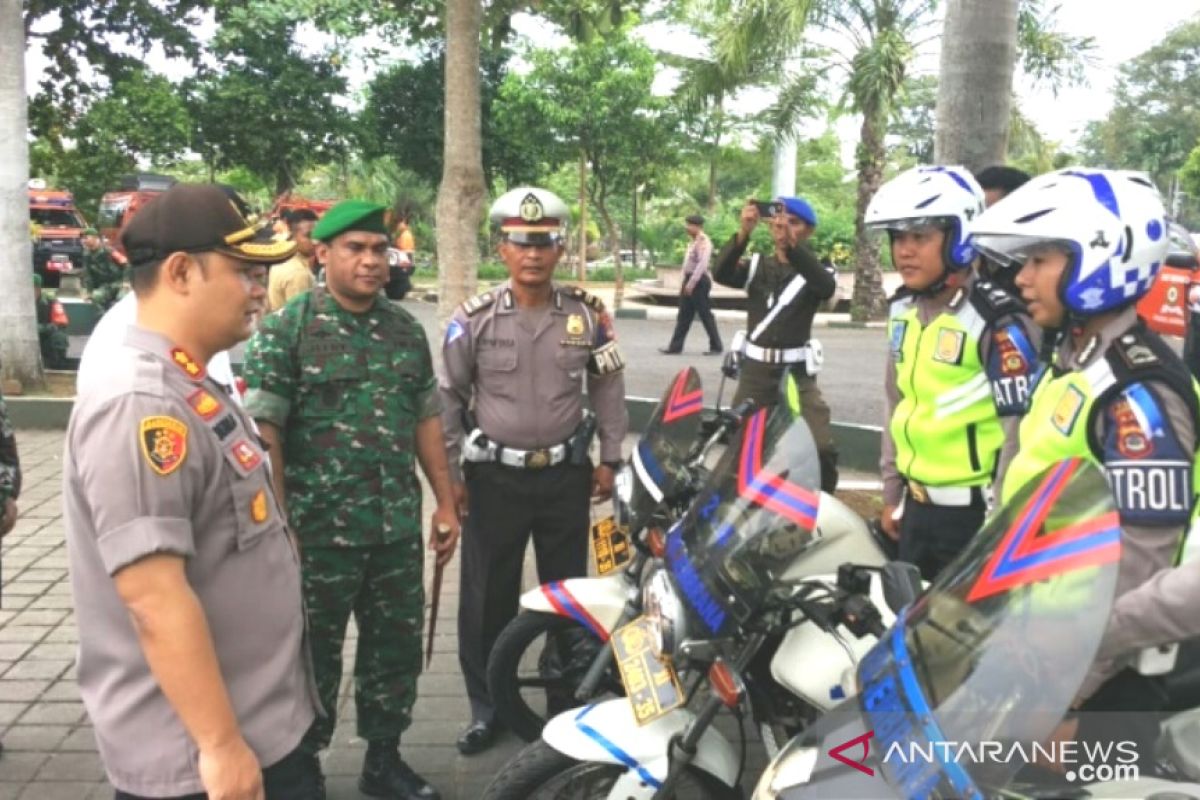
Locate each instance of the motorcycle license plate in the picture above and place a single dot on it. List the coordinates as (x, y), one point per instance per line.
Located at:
(650, 684)
(610, 545)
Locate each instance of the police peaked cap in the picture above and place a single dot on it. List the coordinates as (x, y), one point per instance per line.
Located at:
(528, 209)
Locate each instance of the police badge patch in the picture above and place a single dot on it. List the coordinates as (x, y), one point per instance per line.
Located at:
(164, 443)
(950, 345)
(204, 404)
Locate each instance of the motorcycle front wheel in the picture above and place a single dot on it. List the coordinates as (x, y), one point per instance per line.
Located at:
(536, 665)
(539, 772)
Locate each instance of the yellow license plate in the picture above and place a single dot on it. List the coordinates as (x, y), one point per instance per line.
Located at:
(610, 546)
(651, 684)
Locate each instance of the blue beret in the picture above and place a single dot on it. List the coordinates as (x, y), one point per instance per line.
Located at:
(800, 208)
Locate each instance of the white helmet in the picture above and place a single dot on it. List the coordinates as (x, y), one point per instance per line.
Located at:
(1112, 222)
(946, 196)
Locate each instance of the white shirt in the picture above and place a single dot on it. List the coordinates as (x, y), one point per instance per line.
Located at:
(108, 338)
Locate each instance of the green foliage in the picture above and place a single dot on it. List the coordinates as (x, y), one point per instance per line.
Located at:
(140, 118)
(1155, 120)
(270, 109)
(1050, 56)
(914, 120)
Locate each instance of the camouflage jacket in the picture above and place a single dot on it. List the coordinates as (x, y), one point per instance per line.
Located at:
(10, 464)
(346, 391)
(102, 267)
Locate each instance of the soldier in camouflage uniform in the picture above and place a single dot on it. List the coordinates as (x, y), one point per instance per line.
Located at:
(103, 271)
(341, 381)
(51, 338)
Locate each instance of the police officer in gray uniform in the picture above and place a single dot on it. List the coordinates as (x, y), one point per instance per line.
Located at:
(516, 361)
(193, 663)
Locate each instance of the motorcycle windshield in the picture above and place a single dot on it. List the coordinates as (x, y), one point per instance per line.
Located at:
(754, 517)
(660, 457)
(983, 666)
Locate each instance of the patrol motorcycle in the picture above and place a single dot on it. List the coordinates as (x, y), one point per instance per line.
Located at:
(772, 608)
(666, 470)
(574, 617)
(982, 668)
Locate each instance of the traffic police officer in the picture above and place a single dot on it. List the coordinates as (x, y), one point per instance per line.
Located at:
(341, 380)
(959, 369)
(192, 660)
(1088, 244)
(103, 270)
(784, 292)
(516, 360)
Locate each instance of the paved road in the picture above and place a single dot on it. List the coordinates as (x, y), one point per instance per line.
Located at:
(852, 380)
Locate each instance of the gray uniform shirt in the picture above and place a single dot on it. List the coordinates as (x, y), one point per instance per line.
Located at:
(159, 459)
(525, 386)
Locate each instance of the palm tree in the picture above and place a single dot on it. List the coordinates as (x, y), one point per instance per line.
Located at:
(461, 195)
(875, 42)
(20, 357)
(979, 55)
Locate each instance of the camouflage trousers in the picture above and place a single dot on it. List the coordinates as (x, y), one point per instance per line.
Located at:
(53, 344)
(106, 295)
(382, 586)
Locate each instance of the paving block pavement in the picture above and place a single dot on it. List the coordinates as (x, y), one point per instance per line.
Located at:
(50, 750)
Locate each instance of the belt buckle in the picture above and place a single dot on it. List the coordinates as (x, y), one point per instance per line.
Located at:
(918, 492)
(537, 459)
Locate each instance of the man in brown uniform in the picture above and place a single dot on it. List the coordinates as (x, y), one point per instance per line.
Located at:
(516, 360)
(785, 289)
(193, 664)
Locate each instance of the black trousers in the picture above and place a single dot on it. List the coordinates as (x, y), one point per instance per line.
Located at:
(689, 306)
(1128, 707)
(290, 778)
(933, 536)
(506, 506)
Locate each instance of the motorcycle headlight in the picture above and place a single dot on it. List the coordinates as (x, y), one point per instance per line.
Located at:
(664, 611)
(792, 767)
(622, 495)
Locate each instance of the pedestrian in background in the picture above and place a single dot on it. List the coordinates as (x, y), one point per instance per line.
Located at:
(103, 270)
(694, 289)
(294, 276)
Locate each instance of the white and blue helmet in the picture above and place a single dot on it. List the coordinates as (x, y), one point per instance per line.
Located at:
(1111, 222)
(949, 197)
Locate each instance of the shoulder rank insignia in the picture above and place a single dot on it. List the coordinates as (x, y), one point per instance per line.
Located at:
(258, 507)
(479, 302)
(204, 404)
(164, 443)
(588, 299)
(182, 359)
(246, 455)
(1135, 352)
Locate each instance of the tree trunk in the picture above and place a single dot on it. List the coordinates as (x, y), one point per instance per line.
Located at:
(714, 153)
(614, 246)
(20, 357)
(974, 103)
(581, 268)
(868, 302)
(461, 195)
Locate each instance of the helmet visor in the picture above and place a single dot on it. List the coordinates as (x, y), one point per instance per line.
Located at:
(1013, 251)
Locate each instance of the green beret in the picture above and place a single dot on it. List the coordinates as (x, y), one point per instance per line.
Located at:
(350, 215)
(90, 232)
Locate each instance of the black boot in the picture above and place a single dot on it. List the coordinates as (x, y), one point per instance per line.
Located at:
(385, 774)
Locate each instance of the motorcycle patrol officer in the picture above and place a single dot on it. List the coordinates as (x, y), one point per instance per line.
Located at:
(1090, 243)
(960, 366)
(516, 360)
(784, 291)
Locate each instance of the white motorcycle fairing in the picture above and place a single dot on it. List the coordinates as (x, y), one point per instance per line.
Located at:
(607, 733)
(595, 603)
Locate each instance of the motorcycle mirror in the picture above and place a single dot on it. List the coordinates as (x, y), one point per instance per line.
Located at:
(901, 584)
(729, 365)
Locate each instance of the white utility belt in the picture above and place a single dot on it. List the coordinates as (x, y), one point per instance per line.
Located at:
(956, 496)
(810, 354)
(477, 448)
